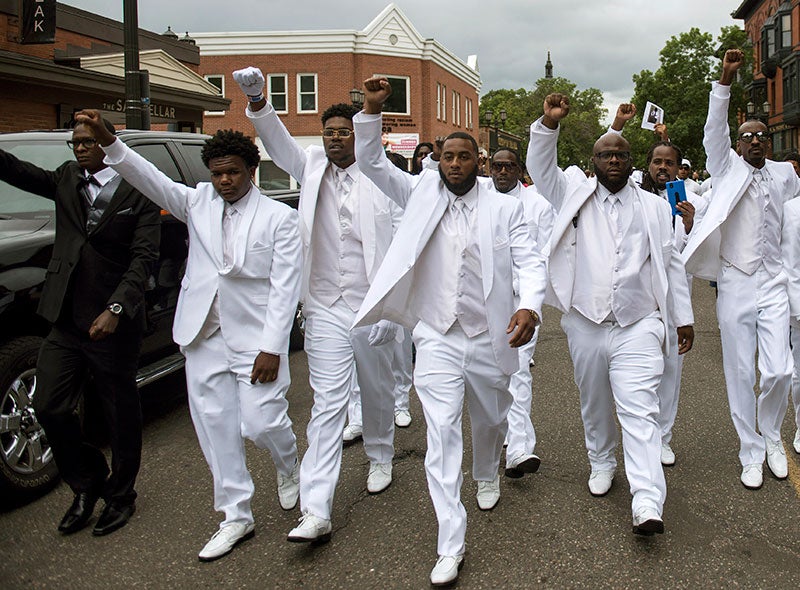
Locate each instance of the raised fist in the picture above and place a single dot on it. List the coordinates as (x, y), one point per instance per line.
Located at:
(250, 80)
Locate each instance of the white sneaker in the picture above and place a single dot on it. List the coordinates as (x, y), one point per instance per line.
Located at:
(667, 455)
(289, 487)
(752, 476)
(522, 464)
(402, 418)
(600, 482)
(446, 569)
(488, 494)
(796, 442)
(647, 522)
(225, 539)
(379, 478)
(776, 458)
(352, 433)
(311, 528)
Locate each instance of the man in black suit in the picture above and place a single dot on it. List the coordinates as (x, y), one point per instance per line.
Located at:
(107, 239)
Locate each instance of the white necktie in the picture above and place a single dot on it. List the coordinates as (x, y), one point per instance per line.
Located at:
(343, 185)
(227, 236)
(461, 215)
(762, 189)
(612, 208)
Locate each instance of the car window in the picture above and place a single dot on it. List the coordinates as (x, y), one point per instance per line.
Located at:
(192, 152)
(159, 155)
(47, 154)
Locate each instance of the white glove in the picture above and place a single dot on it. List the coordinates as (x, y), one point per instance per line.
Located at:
(250, 80)
(382, 332)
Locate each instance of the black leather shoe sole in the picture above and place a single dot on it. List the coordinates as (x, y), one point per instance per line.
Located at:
(649, 528)
(112, 519)
(528, 466)
(322, 539)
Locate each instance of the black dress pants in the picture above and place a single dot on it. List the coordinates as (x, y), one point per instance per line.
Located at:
(64, 359)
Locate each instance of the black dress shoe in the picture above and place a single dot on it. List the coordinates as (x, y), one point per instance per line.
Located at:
(78, 514)
(114, 516)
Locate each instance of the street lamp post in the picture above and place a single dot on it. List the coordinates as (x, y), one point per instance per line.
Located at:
(137, 82)
(357, 98)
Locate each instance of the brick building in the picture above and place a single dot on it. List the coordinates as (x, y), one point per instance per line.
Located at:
(435, 92)
(773, 27)
(43, 84)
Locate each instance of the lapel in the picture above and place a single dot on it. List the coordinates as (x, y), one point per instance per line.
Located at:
(362, 190)
(118, 199)
(308, 202)
(485, 214)
(215, 210)
(76, 204)
(240, 240)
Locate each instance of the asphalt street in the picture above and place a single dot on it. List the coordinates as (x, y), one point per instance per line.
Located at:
(546, 532)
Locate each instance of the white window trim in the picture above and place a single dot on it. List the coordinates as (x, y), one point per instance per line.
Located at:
(438, 101)
(316, 94)
(444, 103)
(286, 91)
(408, 91)
(222, 77)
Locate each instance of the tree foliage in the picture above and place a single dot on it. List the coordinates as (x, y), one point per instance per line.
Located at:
(579, 130)
(689, 62)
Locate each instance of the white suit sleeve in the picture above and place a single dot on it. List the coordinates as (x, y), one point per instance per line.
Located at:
(542, 163)
(716, 133)
(529, 264)
(790, 250)
(374, 164)
(281, 147)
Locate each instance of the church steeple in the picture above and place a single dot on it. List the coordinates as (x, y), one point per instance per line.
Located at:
(548, 67)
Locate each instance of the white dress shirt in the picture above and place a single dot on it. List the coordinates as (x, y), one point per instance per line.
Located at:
(102, 177)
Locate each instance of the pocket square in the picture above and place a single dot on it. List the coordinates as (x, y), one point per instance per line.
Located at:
(128, 211)
(258, 244)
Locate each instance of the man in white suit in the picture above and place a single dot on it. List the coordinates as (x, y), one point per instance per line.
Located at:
(616, 275)
(449, 275)
(790, 249)
(737, 243)
(506, 170)
(233, 318)
(346, 227)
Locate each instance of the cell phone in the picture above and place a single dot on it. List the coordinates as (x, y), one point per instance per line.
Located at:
(676, 192)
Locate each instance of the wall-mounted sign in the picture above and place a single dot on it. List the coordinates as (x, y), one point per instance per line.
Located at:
(38, 22)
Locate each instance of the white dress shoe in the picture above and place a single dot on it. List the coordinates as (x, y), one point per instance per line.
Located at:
(352, 433)
(379, 478)
(796, 443)
(522, 464)
(667, 455)
(402, 418)
(311, 528)
(600, 482)
(446, 569)
(752, 476)
(488, 493)
(225, 539)
(647, 522)
(289, 488)
(776, 458)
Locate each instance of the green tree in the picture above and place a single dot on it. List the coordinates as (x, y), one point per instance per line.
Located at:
(689, 62)
(579, 130)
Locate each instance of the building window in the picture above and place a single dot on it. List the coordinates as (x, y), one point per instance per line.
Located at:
(270, 177)
(456, 118)
(790, 93)
(277, 93)
(438, 101)
(468, 113)
(306, 93)
(786, 31)
(217, 80)
(399, 101)
(444, 103)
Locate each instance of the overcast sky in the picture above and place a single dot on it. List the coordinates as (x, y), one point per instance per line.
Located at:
(598, 44)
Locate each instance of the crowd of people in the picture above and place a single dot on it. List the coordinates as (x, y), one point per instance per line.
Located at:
(458, 264)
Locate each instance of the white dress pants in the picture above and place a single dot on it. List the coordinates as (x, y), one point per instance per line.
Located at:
(521, 437)
(401, 373)
(669, 391)
(621, 367)
(796, 374)
(753, 311)
(225, 407)
(448, 366)
(334, 351)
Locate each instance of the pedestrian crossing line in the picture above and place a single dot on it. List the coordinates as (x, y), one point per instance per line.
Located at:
(794, 475)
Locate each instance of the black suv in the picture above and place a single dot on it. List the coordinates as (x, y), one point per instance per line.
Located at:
(27, 229)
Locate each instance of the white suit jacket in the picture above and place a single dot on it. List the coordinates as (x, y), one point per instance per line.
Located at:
(568, 191)
(376, 213)
(731, 178)
(790, 254)
(258, 294)
(506, 245)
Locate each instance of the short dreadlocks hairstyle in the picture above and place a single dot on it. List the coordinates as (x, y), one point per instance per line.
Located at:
(228, 142)
(648, 183)
(342, 109)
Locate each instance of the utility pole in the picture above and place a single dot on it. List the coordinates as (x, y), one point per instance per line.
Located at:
(137, 82)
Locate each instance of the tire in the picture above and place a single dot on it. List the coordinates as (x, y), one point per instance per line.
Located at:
(27, 468)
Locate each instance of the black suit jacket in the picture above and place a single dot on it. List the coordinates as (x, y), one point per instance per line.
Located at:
(88, 271)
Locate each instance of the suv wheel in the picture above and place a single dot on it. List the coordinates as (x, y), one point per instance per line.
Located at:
(27, 467)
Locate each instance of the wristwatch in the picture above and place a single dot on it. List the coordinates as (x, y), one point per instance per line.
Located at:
(115, 308)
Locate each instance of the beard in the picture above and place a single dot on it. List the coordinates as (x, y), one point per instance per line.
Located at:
(460, 188)
(618, 183)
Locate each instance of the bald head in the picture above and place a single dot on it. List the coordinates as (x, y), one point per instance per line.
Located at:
(612, 161)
